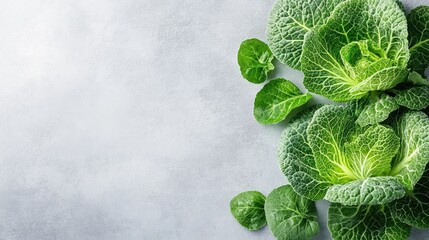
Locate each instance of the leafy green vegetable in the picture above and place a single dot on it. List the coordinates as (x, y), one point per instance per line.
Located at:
(377, 111)
(276, 99)
(255, 60)
(291, 216)
(248, 209)
(368, 155)
(365, 222)
(415, 98)
(361, 163)
(371, 191)
(296, 158)
(361, 48)
(413, 156)
(290, 21)
(413, 209)
(417, 79)
(350, 157)
(418, 28)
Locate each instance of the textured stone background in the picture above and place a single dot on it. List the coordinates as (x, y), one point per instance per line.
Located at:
(130, 120)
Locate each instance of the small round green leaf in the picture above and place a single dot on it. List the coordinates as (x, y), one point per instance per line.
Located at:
(255, 60)
(248, 209)
(276, 99)
(291, 216)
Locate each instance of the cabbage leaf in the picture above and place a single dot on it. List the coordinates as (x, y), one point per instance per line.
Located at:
(365, 222)
(290, 21)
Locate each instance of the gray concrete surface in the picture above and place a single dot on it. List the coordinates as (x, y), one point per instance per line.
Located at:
(130, 120)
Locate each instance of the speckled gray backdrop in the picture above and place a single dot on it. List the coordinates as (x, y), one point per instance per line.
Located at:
(130, 120)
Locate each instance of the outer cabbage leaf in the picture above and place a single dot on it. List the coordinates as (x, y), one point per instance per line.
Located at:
(377, 111)
(413, 155)
(276, 99)
(418, 28)
(291, 216)
(254, 58)
(413, 209)
(361, 48)
(372, 191)
(248, 209)
(415, 98)
(288, 23)
(365, 222)
(296, 158)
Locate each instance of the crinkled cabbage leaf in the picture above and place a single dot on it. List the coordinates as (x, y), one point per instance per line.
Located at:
(296, 158)
(378, 110)
(290, 21)
(413, 209)
(418, 27)
(371, 191)
(415, 98)
(412, 127)
(365, 222)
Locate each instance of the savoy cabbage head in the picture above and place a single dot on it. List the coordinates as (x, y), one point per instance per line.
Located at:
(327, 155)
(363, 47)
